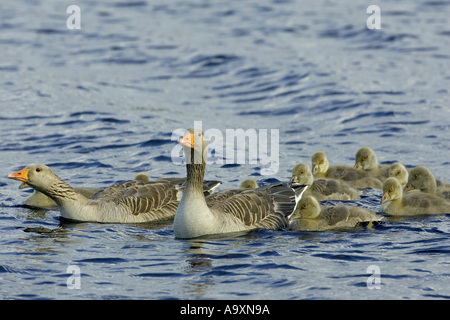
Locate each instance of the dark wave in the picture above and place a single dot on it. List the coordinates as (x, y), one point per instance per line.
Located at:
(207, 66)
(130, 4)
(377, 114)
(114, 260)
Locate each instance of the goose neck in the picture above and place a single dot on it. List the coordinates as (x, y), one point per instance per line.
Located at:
(195, 176)
(61, 193)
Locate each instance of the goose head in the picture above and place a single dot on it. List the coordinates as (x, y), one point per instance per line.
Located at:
(392, 190)
(195, 146)
(366, 159)
(398, 171)
(302, 174)
(38, 176)
(319, 163)
(422, 179)
(308, 208)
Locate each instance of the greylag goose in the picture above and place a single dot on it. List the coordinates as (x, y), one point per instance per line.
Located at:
(249, 184)
(311, 216)
(367, 160)
(126, 202)
(410, 203)
(356, 178)
(399, 171)
(323, 189)
(421, 178)
(229, 211)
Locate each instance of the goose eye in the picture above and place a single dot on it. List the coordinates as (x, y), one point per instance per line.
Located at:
(38, 169)
(321, 162)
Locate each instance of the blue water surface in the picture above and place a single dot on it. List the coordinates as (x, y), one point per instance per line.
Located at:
(100, 104)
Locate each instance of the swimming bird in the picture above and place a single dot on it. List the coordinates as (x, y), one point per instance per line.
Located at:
(356, 178)
(323, 189)
(421, 178)
(249, 184)
(125, 202)
(311, 216)
(234, 210)
(396, 202)
(367, 160)
(399, 171)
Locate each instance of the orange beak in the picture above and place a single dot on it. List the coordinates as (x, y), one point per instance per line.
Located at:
(21, 175)
(187, 140)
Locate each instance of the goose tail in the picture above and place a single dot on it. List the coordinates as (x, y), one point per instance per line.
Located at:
(299, 189)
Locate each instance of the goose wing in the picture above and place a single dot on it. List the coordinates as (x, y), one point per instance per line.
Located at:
(267, 207)
(117, 190)
(160, 197)
(218, 197)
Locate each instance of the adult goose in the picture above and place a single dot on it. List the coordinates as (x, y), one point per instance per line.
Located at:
(356, 178)
(234, 210)
(126, 202)
(367, 160)
(323, 189)
(311, 216)
(421, 178)
(410, 203)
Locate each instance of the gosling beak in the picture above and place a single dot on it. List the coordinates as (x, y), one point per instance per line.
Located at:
(21, 175)
(187, 140)
(292, 181)
(315, 169)
(409, 187)
(358, 165)
(384, 198)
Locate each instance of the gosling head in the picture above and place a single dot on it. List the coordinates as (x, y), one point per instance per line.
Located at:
(308, 208)
(249, 184)
(366, 159)
(319, 163)
(392, 190)
(422, 179)
(302, 174)
(398, 171)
